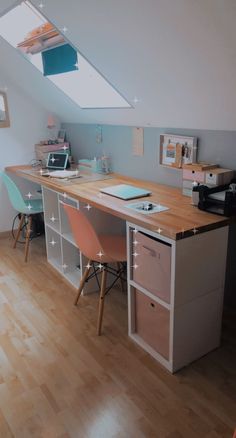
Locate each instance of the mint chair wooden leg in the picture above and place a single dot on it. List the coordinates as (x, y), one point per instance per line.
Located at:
(27, 239)
(19, 230)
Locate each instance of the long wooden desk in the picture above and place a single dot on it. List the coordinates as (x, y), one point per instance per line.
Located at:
(180, 221)
(175, 261)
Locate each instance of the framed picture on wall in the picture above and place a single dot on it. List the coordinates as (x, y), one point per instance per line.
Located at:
(176, 150)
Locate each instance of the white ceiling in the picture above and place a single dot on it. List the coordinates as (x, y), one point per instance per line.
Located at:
(177, 56)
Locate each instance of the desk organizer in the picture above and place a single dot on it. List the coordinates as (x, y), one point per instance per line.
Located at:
(208, 174)
(143, 207)
(42, 150)
(98, 165)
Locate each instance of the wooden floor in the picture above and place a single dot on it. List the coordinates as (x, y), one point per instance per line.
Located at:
(58, 379)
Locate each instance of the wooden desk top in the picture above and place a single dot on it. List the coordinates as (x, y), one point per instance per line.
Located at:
(180, 221)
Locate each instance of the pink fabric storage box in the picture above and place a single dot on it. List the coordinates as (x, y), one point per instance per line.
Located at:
(192, 175)
(152, 322)
(154, 266)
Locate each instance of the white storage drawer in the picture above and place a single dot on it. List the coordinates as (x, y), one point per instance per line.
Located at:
(154, 266)
(152, 322)
(194, 175)
(219, 176)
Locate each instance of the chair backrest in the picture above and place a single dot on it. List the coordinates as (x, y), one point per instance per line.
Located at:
(14, 193)
(84, 234)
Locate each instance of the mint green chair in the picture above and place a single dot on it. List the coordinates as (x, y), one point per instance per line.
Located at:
(26, 208)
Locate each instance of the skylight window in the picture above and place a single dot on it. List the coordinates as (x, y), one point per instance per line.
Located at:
(29, 32)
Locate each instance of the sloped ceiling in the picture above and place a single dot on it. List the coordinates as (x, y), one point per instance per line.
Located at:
(176, 56)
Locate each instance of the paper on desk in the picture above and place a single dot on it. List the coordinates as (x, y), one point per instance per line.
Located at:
(137, 145)
(64, 173)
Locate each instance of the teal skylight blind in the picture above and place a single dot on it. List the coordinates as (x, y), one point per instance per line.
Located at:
(60, 59)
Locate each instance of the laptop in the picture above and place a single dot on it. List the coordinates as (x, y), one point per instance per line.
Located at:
(57, 161)
(126, 192)
(56, 167)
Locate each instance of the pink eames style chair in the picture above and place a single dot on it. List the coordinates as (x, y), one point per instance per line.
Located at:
(102, 249)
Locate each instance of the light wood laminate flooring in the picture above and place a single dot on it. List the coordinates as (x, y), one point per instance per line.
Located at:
(58, 379)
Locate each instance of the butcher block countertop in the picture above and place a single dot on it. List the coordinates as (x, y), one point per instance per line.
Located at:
(180, 221)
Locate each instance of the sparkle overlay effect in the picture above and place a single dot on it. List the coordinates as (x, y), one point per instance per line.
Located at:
(135, 253)
(88, 207)
(136, 100)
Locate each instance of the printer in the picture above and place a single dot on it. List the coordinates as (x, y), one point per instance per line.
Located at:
(219, 200)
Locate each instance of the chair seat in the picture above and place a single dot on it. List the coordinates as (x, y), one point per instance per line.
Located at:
(33, 206)
(114, 248)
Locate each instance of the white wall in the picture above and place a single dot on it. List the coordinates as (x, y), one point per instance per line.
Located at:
(28, 126)
(213, 147)
(176, 56)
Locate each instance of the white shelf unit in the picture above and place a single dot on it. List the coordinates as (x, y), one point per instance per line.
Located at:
(64, 223)
(51, 209)
(71, 262)
(62, 252)
(181, 327)
(54, 253)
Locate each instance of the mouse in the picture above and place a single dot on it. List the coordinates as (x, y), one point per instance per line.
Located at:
(148, 206)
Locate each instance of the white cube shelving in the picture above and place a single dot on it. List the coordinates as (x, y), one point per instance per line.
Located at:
(182, 322)
(62, 252)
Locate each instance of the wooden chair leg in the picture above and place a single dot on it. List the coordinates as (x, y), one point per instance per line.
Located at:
(118, 264)
(82, 281)
(27, 239)
(101, 301)
(19, 230)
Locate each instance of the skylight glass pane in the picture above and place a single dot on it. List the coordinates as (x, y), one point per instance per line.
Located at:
(28, 31)
(87, 87)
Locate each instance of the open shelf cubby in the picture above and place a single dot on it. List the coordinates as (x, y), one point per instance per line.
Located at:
(51, 209)
(71, 263)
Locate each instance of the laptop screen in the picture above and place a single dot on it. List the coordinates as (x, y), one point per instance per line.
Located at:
(57, 161)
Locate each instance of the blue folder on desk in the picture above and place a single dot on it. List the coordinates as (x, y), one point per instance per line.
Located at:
(126, 192)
